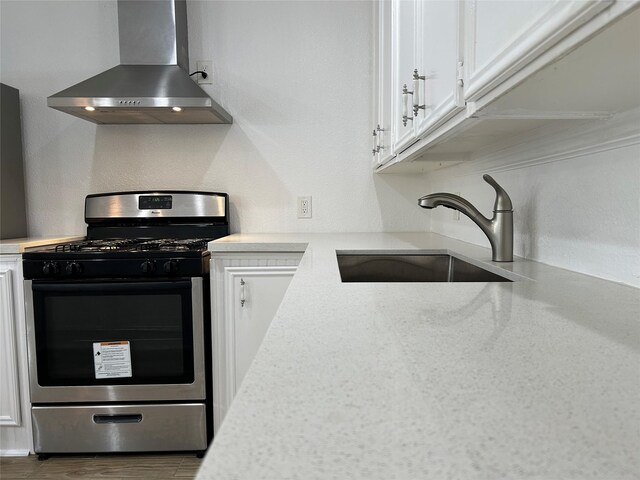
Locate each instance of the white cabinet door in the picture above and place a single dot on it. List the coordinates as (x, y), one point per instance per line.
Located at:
(504, 36)
(16, 437)
(246, 292)
(438, 86)
(9, 382)
(382, 145)
(422, 39)
(256, 294)
(403, 64)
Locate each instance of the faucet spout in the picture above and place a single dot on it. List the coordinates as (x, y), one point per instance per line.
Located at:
(498, 229)
(454, 202)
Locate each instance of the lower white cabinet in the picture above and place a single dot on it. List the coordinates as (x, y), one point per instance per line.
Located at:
(246, 291)
(15, 422)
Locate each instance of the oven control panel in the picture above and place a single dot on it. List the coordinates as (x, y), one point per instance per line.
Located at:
(199, 207)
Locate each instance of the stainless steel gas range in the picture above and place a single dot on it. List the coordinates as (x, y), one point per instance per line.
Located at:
(118, 326)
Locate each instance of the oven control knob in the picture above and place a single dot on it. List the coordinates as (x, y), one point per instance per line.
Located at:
(74, 268)
(148, 266)
(170, 266)
(51, 268)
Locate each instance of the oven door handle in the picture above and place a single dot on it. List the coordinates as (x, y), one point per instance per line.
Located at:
(118, 418)
(110, 286)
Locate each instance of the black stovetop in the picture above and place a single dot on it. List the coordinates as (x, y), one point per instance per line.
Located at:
(108, 246)
(118, 258)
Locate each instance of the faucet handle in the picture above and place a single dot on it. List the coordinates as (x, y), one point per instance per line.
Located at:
(503, 201)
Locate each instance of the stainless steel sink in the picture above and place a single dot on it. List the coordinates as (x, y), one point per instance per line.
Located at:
(409, 267)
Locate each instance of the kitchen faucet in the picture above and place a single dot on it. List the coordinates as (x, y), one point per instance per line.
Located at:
(498, 229)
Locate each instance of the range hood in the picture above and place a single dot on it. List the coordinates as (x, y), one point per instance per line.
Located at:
(152, 84)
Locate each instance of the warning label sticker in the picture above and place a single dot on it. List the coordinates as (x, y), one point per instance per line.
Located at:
(112, 359)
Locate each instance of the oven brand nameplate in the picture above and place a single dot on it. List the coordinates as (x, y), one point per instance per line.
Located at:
(112, 359)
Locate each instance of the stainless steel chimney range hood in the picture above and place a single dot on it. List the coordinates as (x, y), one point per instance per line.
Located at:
(152, 84)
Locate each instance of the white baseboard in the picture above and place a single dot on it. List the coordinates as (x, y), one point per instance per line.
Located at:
(18, 452)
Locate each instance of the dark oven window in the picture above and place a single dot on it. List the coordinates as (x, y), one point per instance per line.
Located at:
(155, 318)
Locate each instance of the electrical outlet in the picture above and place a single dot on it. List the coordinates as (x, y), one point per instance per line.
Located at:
(207, 67)
(456, 213)
(304, 207)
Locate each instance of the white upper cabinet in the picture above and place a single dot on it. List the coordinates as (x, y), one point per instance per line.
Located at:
(477, 71)
(438, 81)
(426, 66)
(498, 24)
(382, 144)
(403, 42)
(503, 36)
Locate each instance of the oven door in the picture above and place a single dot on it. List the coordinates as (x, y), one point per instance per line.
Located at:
(97, 341)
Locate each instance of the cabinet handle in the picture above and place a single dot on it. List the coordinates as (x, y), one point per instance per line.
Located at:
(405, 105)
(376, 148)
(378, 140)
(118, 418)
(243, 297)
(417, 106)
(459, 93)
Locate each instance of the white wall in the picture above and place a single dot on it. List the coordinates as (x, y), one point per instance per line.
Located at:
(575, 191)
(296, 76)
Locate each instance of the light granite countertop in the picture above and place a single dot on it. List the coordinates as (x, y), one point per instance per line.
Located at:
(535, 379)
(17, 246)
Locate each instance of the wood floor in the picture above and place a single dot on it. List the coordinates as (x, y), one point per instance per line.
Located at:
(107, 467)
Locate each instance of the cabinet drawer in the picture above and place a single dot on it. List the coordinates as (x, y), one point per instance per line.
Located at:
(114, 428)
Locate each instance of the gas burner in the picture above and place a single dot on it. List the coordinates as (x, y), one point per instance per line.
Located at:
(170, 244)
(96, 245)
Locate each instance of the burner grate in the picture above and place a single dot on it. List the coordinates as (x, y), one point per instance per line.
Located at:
(96, 245)
(190, 244)
(135, 245)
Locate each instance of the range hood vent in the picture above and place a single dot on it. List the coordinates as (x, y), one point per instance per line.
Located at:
(152, 84)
